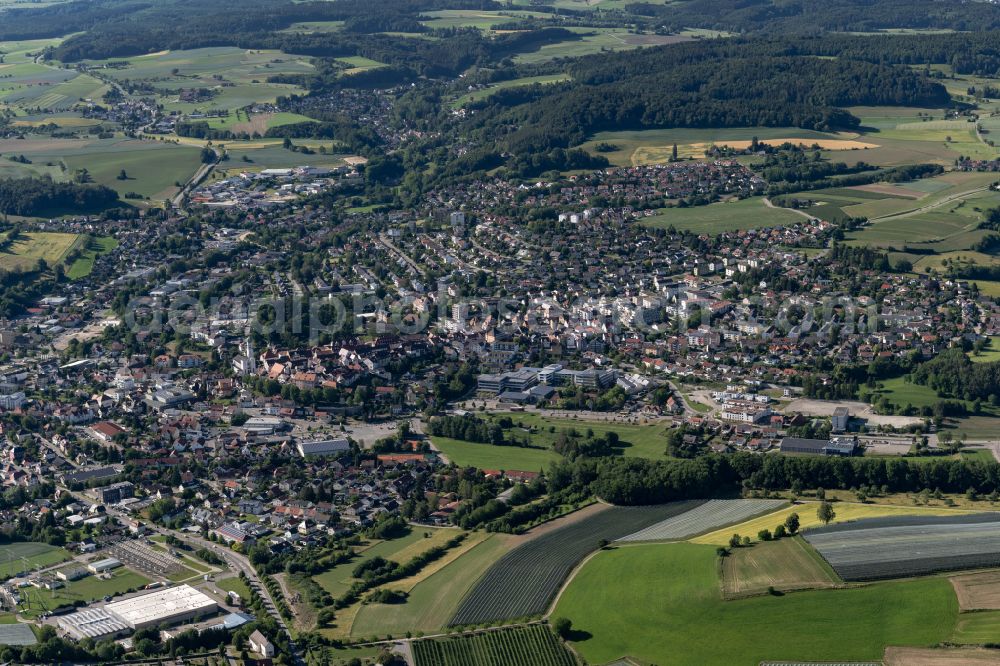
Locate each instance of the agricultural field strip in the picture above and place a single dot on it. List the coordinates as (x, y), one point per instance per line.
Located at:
(869, 551)
(712, 515)
(533, 645)
(524, 581)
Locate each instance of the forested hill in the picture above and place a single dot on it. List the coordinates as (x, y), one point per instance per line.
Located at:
(727, 83)
(813, 16)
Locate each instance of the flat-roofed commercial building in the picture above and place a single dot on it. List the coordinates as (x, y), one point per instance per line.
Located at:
(168, 605)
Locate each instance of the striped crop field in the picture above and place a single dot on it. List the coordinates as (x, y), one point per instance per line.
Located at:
(524, 581)
(533, 645)
(709, 516)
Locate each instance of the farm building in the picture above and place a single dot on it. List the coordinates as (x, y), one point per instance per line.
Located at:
(838, 446)
(168, 605)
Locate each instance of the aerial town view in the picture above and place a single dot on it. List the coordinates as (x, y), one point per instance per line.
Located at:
(500, 332)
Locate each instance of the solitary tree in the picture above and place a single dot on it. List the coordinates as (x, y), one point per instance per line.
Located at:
(562, 626)
(826, 513)
(792, 523)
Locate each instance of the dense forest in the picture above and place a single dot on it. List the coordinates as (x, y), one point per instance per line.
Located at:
(43, 196)
(812, 16)
(728, 83)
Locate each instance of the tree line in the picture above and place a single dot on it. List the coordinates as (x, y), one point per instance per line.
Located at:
(638, 481)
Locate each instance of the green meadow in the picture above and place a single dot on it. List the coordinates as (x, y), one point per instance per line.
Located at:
(725, 216)
(668, 609)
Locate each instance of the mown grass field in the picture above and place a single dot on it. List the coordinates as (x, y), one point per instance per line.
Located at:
(269, 154)
(85, 264)
(977, 628)
(786, 564)
(668, 610)
(488, 456)
(234, 584)
(635, 440)
(25, 251)
(909, 135)
(28, 555)
(724, 216)
(985, 424)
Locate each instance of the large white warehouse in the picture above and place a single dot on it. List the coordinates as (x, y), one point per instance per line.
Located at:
(165, 606)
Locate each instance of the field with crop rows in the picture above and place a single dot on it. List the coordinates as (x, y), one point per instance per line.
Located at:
(709, 516)
(909, 546)
(524, 581)
(535, 645)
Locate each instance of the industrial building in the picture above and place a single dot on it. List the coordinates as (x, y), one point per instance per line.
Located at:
(841, 419)
(836, 446)
(102, 566)
(165, 606)
(95, 623)
(327, 447)
(168, 605)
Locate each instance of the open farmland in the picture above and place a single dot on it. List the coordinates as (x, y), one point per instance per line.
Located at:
(709, 516)
(524, 581)
(24, 252)
(151, 167)
(909, 546)
(846, 511)
(596, 40)
(979, 628)
(533, 645)
(899, 656)
(786, 564)
(636, 147)
(483, 93)
(660, 603)
(433, 600)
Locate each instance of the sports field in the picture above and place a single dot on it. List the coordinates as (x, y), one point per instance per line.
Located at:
(719, 217)
(22, 556)
(668, 610)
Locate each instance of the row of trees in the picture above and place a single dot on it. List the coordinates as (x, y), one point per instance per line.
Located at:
(633, 481)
